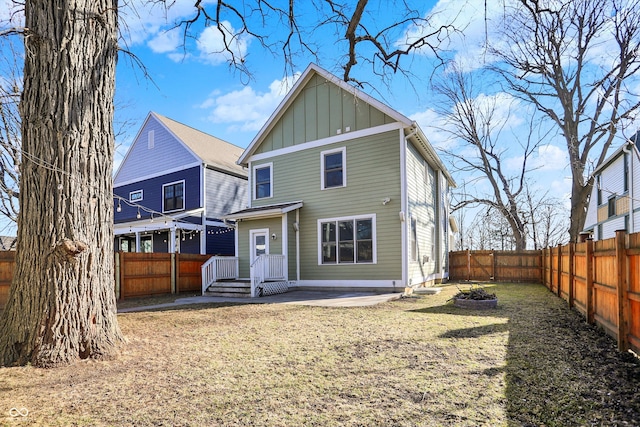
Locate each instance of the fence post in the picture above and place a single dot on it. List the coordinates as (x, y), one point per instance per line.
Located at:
(116, 273)
(589, 261)
(621, 261)
(468, 265)
(572, 252)
(559, 290)
(177, 267)
(122, 269)
(493, 266)
(551, 269)
(541, 264)
(173, 272)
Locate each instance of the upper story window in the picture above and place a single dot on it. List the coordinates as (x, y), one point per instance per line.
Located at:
(135, 196)
(173, 196)
(263, 178)
(599, 189)
(333, 165)
(611, 206)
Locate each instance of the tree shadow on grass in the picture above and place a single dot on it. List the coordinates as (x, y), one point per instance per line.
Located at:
(559, 370)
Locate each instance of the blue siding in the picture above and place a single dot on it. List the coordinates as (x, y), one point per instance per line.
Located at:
(190, 244)
(152, 194)
(167, 154)
(220, 241)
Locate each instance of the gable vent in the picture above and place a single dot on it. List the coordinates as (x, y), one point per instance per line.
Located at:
(150, 140)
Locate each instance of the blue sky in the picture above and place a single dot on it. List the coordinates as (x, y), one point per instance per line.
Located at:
(196, 87)
(200, 90)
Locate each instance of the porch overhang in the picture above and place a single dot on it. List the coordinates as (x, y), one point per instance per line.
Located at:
(157, 225)
(264, 211)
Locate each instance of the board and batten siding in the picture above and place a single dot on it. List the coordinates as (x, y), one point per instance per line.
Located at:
(372, 174)
(225, 193)
(274, 225)
(166, 154)
(321, 110)
(421, 198)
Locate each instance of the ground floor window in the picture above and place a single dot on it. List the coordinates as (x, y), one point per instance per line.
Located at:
(349, 240)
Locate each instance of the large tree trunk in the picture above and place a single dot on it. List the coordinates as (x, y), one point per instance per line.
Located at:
(579, 199)
(61, 306)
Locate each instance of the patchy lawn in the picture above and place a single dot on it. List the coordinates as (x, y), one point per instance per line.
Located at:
(410, 362)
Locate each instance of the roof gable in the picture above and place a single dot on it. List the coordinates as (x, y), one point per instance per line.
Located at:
(320, 105)
(211, 150)
(163, 144)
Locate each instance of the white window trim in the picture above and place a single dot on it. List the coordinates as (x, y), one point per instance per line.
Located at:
(131, 193)
(252, 234)
(184, 195)
(253, 176)
(342, 150)
(374, 239)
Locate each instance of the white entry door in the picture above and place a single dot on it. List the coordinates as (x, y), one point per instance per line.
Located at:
(259, 243)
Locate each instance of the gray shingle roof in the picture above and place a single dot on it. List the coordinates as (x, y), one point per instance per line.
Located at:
(213, 151)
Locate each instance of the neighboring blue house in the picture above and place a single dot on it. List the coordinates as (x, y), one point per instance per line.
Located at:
(172, 188)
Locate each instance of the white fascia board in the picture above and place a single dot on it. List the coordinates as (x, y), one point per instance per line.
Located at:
(155, 175)
(327, 141)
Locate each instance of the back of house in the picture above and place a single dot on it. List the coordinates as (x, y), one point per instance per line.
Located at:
(344, 192)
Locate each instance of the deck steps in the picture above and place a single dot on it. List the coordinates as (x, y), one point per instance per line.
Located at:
(234, 289)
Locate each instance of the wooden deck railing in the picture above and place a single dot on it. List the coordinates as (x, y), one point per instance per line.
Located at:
(219, 268)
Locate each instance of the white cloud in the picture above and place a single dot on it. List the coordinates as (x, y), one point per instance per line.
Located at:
(471, 23)
(166, 41)
(551, 158)
(211, 44)
(434, 125)
(247, 109)
(141, 20)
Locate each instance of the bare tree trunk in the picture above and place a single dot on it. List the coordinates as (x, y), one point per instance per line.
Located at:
(61, 306)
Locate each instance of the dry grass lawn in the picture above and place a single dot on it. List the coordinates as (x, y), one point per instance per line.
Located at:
(410, 362)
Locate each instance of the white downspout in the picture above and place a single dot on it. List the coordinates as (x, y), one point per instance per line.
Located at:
(298, 245)
(631, 194)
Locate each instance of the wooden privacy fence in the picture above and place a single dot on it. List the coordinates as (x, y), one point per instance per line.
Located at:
(502, 266)
(141, 274)
(602, 281)
(136, 274)
(599, 279)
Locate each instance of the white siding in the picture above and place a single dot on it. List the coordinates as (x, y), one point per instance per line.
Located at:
(611, 182)
(422, 181)
(225, 193)
(142, 162)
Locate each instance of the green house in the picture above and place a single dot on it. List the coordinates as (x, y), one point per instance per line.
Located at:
(344, 193)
